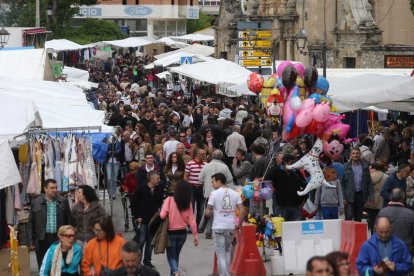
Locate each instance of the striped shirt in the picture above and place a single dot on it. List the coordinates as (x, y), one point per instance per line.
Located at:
(193, 169)
(51, 220)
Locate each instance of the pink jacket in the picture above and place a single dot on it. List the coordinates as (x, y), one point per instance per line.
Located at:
(178, 220)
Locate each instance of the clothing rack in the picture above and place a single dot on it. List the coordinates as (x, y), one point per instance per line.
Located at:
(56, 130)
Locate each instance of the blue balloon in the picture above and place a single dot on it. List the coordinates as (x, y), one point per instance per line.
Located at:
(266, 193)
(248, 191)
(339, 169)
(316, 97)
(322, 84)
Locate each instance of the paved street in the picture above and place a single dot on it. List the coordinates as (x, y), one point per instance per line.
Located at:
(193, 261)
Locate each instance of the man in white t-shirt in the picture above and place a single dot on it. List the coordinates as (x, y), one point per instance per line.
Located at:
(223, 202)
(171, 145)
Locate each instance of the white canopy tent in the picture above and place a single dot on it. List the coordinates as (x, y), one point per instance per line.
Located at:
(78, 77)
(196, 49)
(176, 59)
(372, 90)
(64, 45)
(132, 42)
(23, 64)
(215, 72)
(194, 37)
(60, 105)
(172, 43)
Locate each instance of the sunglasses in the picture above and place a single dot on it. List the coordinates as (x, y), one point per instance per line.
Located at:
(69, 236)
(182, 136)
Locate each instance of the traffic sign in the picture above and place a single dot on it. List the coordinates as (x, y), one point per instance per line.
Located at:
(256, 53)
(186, 60)
(254, 34)
(255, 44)
(255, 62)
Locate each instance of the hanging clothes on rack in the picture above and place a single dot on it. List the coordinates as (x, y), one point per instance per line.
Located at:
(33, 183)
(88, 165)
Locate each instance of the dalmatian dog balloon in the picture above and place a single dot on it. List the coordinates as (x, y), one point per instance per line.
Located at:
(310, 162)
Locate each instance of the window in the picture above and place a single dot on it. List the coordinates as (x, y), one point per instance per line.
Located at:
(349, 62)
(136, 2)
(124, 2)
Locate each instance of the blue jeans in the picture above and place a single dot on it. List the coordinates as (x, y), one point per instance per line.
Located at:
(144, 237)
(330, 212)
(112, 170)
(198, 198)
(290, 213)
(173, 252)
(222, 240)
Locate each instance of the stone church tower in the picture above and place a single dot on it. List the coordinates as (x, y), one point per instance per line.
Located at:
(357, 33)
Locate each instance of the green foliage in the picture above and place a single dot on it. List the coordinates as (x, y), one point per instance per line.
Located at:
(91, 30)
(412, 6)
(22, 12)
(203, 22)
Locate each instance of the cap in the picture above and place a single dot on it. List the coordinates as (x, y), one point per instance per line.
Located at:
(242, 106)
(163, 105)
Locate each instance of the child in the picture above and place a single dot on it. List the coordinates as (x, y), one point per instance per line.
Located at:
(330, 198)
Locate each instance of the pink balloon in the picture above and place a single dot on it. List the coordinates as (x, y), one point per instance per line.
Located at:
(333, 149)
(307, 104)
(304, 118)
(333, 119)
(299, 67)
(321, 112)
(340, 129)
(282, 66)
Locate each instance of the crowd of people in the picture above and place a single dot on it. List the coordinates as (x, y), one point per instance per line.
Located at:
(181, 158)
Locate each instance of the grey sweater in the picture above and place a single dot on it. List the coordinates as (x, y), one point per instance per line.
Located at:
(329, 196)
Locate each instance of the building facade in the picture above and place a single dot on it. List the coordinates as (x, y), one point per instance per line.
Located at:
(145, 17)
(356, 33)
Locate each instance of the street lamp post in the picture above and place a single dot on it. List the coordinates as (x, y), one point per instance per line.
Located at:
(4, 37)
(301, 41)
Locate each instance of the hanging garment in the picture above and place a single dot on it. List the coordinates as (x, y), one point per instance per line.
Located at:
(10, 217)
(89, 166)
(66, 146)
(49, 159)
(24, 153)
(33, 183)
(74, 175)
(56, 143)
(24, 170)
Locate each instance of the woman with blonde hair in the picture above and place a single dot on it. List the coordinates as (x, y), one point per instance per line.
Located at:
(64, 256)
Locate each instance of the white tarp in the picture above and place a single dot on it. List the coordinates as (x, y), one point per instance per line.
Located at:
(215, 72)
(23, 64)
(60, 105)
(132, 42)
(64, 45)
(196, 49)
(163, 75)
(172, 43)
(176, 59)
(10, 175)
(381, 91)
(194, 37)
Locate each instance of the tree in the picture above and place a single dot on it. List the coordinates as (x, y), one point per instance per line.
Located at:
(412, 6)
(91, 30)
(203, 22)
(22, 12)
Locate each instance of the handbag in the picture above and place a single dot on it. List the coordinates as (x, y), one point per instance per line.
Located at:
(104, 269)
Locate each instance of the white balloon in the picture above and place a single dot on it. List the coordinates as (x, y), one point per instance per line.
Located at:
(295, 103)
(310, 162)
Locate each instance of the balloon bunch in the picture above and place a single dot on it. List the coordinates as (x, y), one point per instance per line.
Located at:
(306, 108)
(254, 189)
